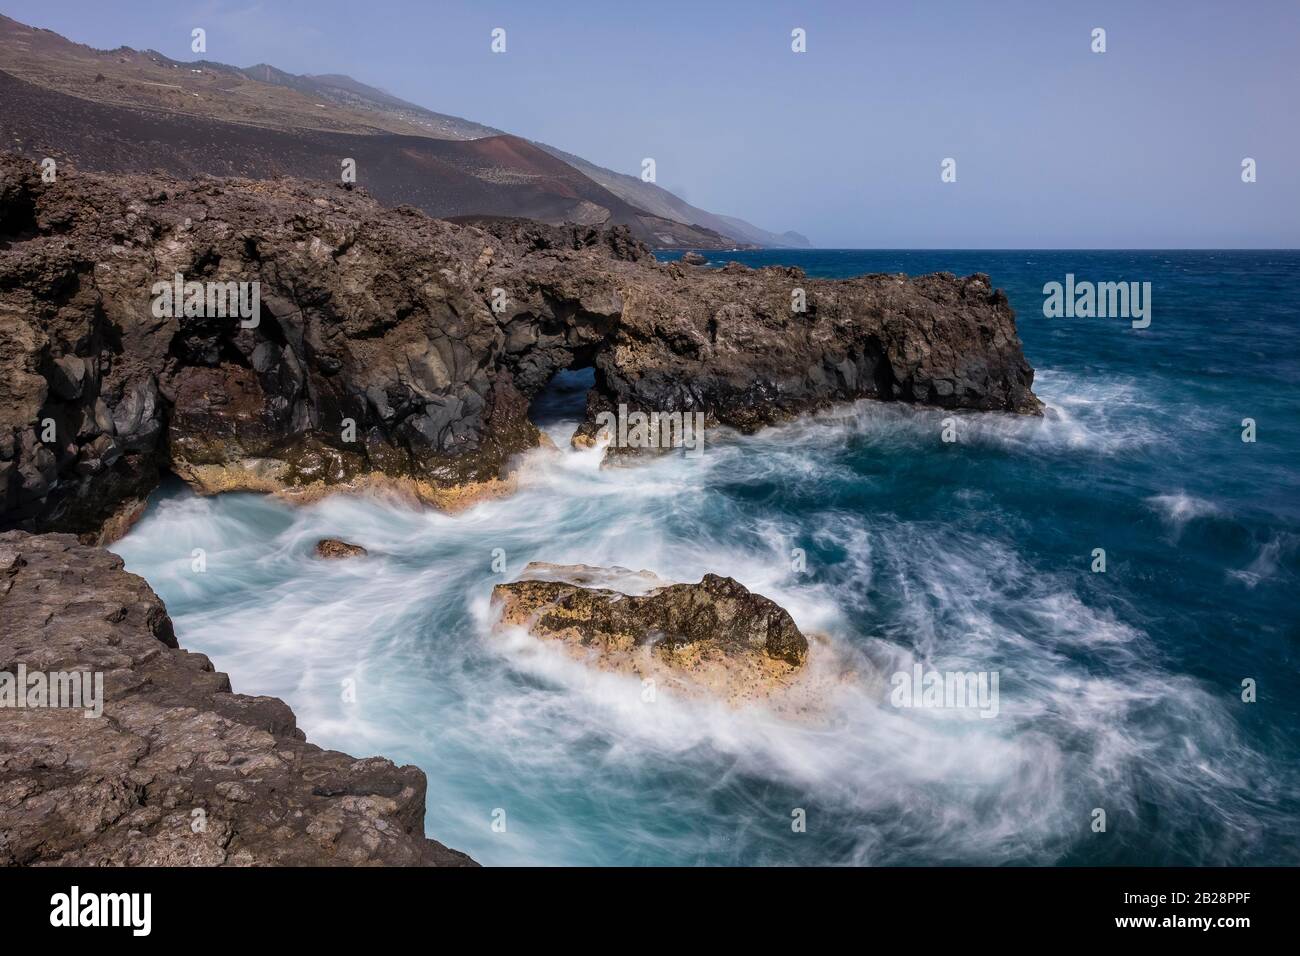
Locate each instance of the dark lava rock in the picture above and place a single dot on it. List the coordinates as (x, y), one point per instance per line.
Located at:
(334, 548)
(177, 770)
(396, 347)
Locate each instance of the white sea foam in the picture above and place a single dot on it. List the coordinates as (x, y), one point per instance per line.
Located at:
(588, 772)
(1179, 508)
(1267, 562)
(1106, 416)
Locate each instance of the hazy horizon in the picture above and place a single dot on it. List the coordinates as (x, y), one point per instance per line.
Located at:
(1056, 146)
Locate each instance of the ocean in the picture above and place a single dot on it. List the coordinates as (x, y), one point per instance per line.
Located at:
(1163, 691)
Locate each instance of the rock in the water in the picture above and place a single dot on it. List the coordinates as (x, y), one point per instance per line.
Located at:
(396, 351)
(334, 548)
(715, 634)
(694, 259)
(177, 770)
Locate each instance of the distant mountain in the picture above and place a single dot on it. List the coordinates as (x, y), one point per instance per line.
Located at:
(128, 110)
(345, 92)
(660, 202)
(496, 175)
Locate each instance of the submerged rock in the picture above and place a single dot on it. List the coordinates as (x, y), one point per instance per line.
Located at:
(394, 351)
(176, 769)
(715, 634)
(334, 548)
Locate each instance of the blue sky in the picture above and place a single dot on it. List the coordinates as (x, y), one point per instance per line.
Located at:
(1056, 146)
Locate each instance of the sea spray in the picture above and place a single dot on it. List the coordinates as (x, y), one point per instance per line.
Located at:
(1116, 690)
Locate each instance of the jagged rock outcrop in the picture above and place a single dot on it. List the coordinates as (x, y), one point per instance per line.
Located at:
(715, 634)
(396, 350)
(177, 770)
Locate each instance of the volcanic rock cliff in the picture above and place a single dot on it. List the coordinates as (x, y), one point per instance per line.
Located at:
(175, 769)
(400, 350)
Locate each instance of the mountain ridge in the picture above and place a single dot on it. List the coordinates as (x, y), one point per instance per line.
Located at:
(179, 98)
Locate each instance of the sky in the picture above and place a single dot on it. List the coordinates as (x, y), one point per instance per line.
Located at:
(1056, 146)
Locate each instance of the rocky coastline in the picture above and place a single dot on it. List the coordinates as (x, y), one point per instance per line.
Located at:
(176, 768)
(390, 349)
(386, 351)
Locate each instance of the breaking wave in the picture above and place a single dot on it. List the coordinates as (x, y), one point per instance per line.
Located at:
(899, 569)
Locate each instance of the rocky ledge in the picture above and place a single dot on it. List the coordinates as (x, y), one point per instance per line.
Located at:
(394, 350)
(714, 636)
(177, 769)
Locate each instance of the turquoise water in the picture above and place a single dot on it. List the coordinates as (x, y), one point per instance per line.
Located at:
(1118, 690)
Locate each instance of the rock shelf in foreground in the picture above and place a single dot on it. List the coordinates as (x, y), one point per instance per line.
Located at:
(178, 769)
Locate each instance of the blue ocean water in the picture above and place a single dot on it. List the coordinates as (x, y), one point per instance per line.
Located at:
(1119, 691)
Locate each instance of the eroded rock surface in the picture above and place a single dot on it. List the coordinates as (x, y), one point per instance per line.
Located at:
(333, 548)
(178, 770)
(714, 635)
(400, 351)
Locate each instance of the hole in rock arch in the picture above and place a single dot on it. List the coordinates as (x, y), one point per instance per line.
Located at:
(561, 406)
